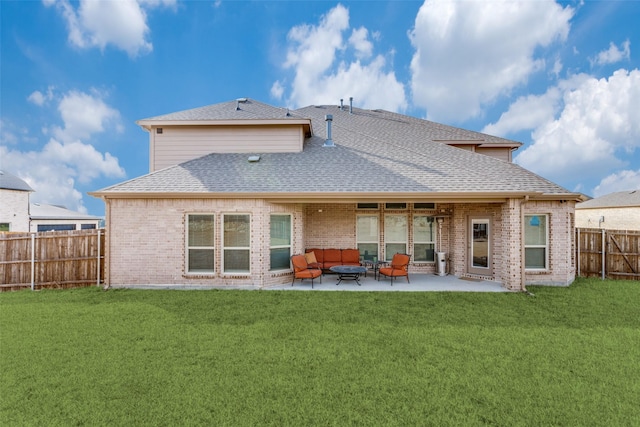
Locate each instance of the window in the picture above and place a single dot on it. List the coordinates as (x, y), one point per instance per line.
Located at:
(280, 242)
(200, 243)
(536, 252)
(424, 238)
(236, 243)
(87, 226)
(395, 206)
(395, 235)
(367, 206)
(367, 236)
(4, 226)
(56, 227)
(424, 206)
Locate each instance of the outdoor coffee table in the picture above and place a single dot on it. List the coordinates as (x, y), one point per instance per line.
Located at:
(348, 272)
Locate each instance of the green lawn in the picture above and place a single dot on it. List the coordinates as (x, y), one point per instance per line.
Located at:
(564, 357)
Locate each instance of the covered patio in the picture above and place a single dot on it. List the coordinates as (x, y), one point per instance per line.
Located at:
(420, 282)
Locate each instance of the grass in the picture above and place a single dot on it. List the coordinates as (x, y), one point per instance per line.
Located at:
(564, 357)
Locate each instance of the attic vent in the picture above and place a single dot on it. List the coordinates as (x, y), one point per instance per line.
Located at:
(158, 131)
(253, 159)
(329, 142)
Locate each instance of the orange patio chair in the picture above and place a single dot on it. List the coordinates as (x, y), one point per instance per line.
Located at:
(302, 271)
(399, 267)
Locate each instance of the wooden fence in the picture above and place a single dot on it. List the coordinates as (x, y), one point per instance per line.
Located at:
(55, 259)
(612, 254)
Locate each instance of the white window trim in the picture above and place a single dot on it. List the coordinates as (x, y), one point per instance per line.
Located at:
(187, 247)
(223, 247)
(290, 245)
(545, 246)
(406, 236)
(377, 241)
(415, 240)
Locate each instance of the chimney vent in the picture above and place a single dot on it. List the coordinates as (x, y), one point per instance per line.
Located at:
(351, 105)
(328, 142)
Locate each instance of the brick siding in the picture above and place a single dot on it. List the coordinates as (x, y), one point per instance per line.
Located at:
(146, 238)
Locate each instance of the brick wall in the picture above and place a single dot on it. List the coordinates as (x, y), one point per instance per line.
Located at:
(627, 218)
(146, 239)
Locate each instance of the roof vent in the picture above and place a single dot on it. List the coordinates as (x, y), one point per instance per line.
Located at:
(341, 104)
(254, 159)
(328, 142)
(351, 105)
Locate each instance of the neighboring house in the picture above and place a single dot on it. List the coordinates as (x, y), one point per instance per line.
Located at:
(235, 188)
(615, 211)
(17, 214)
(14, 202)
(57, 218)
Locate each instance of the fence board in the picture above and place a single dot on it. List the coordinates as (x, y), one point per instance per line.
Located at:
(621, 253)
(63, 259)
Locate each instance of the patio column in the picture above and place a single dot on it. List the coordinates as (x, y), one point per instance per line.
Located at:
(512, 276)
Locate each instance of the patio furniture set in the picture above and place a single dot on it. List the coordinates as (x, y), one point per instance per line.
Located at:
(347, 264)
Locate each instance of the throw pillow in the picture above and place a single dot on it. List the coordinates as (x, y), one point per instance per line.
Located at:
(310, 257)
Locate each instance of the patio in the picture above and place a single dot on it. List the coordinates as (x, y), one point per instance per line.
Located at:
(419, 283)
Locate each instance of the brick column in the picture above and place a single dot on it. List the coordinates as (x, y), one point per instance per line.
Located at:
(512, 238)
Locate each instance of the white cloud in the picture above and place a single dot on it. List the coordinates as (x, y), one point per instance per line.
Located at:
(324, 72)
(613, 54)
(469, 53)
(83, 115)
(599, 122)
(527, 112)
(38, 98)
(277, 90)
(620, 181)
(65, 160)
(360, 41)
(98, 23)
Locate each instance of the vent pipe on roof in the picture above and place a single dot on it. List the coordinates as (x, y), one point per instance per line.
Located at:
(351, 105)
(341, 104)
(328, 142)
(237, 105)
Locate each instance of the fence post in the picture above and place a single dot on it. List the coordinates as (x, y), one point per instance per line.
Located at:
(98, 272)
(578, 254)
(604, 258)
(33, 260)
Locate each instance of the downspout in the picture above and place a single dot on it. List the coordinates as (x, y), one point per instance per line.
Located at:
(107, 245)
(522, 258)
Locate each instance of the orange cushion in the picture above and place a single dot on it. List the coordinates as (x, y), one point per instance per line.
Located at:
(332, 256)
(351, 256)
(318, 254)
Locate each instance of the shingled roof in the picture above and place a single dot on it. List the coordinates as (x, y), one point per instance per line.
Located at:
(9, 181)
(620, 199)
(377, 154)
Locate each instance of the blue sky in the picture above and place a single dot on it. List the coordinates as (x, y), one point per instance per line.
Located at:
(561, 77)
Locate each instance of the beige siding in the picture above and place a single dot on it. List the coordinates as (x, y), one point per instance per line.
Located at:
(179, 144)
(498, 153)
(627, 218)
(502, 153)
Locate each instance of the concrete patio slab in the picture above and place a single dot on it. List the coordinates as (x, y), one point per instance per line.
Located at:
(418, 283)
